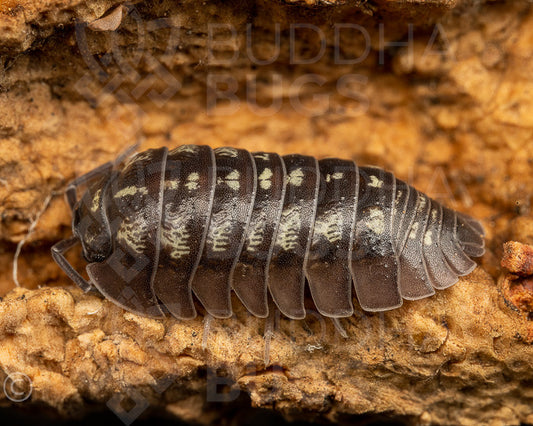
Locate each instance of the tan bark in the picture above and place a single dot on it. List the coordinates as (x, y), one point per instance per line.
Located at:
(446, 103)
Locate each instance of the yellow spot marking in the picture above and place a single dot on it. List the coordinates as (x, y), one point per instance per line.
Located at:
(398, 196)
(141, 156)
(428, 238)
(375, 182)
(175, 234)
(296, 177)
(256, 235)
(192, 181)
(131, 190)
(221, 237)
(421, 204)
(191, 149)
(177, 239)
(329, 226)
(264, 178)
(289, 229)
(414, 229)
(226, 152)
(233, 175)
(96, 200)
(262, 156)
(376, 221)
(335, 176)
(132, 232)
(231, 179)
(172, 184)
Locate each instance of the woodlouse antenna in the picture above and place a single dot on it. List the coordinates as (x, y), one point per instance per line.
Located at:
(339, 327)
(267, 336)
(21, 243)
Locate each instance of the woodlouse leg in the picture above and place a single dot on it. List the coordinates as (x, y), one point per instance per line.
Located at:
(27, 236)
(339, 327)
(269, 331)
(58, 251)
(207, 323)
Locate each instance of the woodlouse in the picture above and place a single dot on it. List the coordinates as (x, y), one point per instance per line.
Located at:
(170, 224)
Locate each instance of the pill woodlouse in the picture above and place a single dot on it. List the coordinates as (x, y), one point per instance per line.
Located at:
(170, 224)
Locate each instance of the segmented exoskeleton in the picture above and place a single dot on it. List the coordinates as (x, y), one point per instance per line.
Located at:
(193, 220)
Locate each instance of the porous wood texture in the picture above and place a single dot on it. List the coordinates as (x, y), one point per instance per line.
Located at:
(440, 92)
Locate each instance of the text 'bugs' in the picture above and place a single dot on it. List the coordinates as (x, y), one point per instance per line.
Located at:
(194, 220)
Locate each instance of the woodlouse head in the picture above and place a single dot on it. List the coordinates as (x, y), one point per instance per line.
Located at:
(91, 226)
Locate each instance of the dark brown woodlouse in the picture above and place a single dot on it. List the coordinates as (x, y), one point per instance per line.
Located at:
(170, 224)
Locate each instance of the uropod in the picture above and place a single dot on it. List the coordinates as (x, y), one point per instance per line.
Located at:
(166, 227)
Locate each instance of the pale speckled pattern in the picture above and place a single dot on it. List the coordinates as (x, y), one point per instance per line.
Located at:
(203, 222)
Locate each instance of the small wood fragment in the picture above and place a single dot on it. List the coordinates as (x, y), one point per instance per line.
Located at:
(518, 258)
(110, 22)
(517, 285)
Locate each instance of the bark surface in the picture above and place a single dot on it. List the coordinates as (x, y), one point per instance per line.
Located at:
(440, 93)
